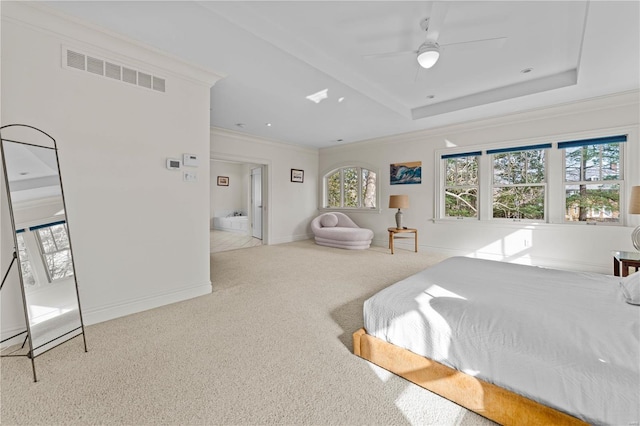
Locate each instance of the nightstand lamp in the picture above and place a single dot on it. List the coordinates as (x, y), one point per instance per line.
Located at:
(634, 208)
(399, 202)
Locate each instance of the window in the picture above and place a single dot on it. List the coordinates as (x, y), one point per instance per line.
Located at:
(576, 181)
(350, 187)
(593, 179)
(54, 245)
(25, 263)
(461, 184)
(519, 182)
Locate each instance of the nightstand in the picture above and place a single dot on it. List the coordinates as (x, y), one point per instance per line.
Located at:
(394, 231)
(623, 260)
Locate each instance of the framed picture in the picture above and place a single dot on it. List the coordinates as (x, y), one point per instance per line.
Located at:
(297, 175)
(406, 173)
(223, 180)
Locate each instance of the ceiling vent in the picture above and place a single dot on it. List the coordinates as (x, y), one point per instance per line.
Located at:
(110, 69)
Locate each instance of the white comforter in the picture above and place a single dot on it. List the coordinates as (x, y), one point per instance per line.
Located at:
(565, 339)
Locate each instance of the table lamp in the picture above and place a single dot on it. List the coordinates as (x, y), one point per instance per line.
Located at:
(402, 202)
(634, 208)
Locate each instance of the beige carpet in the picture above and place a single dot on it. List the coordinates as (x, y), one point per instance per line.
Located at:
(270, 345)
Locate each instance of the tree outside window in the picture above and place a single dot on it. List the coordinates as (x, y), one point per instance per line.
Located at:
(592, 182)
(461, 185)
(54, 243)
(28, 278)
(519, 183)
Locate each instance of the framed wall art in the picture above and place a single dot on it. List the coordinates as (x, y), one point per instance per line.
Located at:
(297, 175)
(406, 173)
(223, 180)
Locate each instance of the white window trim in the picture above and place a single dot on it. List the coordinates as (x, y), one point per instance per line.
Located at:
(554, 193)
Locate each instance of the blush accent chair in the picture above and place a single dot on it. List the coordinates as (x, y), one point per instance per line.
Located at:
(338, 230)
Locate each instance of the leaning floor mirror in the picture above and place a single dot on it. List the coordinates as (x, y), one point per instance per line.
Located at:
(43, 255)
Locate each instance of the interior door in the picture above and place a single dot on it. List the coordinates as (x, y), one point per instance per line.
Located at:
(256, 202)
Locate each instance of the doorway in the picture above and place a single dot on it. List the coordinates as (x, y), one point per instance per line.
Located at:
(237, 204)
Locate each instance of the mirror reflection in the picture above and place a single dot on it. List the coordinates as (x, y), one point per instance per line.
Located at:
(43, 247)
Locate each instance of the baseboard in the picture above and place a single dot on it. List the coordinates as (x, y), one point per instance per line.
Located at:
(567, 264)
(291, 238)
(109, 312)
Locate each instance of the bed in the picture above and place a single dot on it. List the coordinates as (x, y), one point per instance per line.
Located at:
(514, 343)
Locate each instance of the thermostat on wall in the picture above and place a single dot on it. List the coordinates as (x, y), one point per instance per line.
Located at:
(190, 160)
(173, 164)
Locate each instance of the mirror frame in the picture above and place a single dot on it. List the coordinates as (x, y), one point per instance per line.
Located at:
(33, 352)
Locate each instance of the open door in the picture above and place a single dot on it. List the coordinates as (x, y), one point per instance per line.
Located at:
(256, 202)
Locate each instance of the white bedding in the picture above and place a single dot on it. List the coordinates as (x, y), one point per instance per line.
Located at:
(565, 339)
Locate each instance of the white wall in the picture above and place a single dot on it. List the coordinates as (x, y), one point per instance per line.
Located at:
(227, 199)
(569, 246)
(140, 234)
(289, 206)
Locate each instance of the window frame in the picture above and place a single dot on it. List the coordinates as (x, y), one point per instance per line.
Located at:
(517, 149)
(324, 193)
(443, 165)
(43, 253)
(620, 181)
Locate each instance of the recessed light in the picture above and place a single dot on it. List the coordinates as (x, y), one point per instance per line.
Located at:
(526, 70)
(431, 96)
(340, 99)
(338, 140)
(241, 125)
(267, 124)
(23, 173)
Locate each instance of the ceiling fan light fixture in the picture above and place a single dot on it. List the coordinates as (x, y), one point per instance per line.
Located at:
(428, 54)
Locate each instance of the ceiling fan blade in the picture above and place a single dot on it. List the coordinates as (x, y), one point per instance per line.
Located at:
(488, 42)
(389, 54)
(437, 16)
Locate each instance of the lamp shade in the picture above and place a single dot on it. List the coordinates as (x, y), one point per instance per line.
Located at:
(634, 201)
(399, 201)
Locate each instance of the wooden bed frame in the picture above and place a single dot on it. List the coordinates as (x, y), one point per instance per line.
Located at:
(486, 399)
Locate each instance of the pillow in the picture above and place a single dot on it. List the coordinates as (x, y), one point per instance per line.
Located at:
(630, 287)
(329, 220)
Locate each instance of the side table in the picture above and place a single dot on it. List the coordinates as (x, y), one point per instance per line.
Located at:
(623, 260)
(394, 231)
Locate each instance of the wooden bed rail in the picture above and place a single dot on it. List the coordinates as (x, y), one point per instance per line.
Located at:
(486, 399)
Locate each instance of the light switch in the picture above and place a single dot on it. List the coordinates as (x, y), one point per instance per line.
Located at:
(190, 176)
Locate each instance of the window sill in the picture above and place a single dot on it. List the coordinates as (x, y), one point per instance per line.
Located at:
(525, 223)
(348, 210)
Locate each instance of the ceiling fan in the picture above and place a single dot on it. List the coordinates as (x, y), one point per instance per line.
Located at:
(429, 52)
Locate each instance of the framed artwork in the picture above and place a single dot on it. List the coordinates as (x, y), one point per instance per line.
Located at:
(297, 175)
(223, 180)
(406, 173)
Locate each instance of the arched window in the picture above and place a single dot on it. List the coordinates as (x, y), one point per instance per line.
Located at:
(350, 187)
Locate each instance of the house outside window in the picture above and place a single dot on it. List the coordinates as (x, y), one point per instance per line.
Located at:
(461, 184)
(350, 187)
(593, 179)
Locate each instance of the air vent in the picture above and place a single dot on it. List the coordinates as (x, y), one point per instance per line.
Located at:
(75, 60)
(113, 71)
(144, 80)
(158, 84)
(129, 75)
(107, 68)
(95, 66)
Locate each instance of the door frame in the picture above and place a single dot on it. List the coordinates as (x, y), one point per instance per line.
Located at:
(266, 186)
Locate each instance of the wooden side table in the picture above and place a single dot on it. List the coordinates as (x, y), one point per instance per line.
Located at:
(623, 260)
(394, 231)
